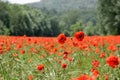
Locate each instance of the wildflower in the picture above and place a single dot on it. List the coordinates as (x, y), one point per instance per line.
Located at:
(83, 77)
(65, 56)
(40, 67)
(70, 59)
(1, 50)
(64, 65)
(112, 48)
(33, 50)
(106, 76)
(8, 48)
(112, 61)
(95, 63)
(95, 72)
(102, 55)
(18, 46)
(66, 53)
(61, 38)
(75, 44)
(30, 77)
(97, 50)
(79, 35)
(23, 52)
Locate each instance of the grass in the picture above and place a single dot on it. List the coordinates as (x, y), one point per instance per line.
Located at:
(18, 65)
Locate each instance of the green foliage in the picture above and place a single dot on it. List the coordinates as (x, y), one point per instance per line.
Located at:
(59, 8)
(109, 17)
(4, 15)
(67, 20)
(53, 17)
(55, 28)
(78, 26)
(90, 29)
(3, 29)
(69, 12)
(20, 20)
(65, 5)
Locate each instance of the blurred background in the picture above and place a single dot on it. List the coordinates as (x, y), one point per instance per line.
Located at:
(52, 17)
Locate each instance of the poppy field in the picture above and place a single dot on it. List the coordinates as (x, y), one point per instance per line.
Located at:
(60, 58)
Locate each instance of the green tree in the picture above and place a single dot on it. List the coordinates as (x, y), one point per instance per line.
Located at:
(68, 19)
(4, 14)
(55, 29)
(21, 19)
(78, 26)
(109, 17)
(3, 29)
(91, 29)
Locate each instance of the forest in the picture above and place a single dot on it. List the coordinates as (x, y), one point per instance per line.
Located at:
(52, 17)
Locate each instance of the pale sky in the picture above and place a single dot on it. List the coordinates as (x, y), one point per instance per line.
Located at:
(22, 1)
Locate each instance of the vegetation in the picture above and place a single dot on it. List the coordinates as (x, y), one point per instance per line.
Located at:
(55, 58)
(69, 12)
(52, 17)
(23, 20)
(109, 17)
(62, 58)
(85, 10)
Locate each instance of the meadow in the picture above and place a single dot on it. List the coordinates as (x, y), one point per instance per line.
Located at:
(60, 58)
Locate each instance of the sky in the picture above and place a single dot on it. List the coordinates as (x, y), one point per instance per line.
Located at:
(22, 1)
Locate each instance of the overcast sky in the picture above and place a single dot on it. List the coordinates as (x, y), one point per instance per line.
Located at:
(22, 1)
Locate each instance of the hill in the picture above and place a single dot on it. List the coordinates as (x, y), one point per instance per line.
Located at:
(62, 5)
(69, 14)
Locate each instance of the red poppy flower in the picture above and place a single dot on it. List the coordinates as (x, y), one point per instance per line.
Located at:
(84, 77)
(64, 65)
(22, 51)
(61, 38)
(65, 56)
(102, 55)
(18, 46)
(106, 77)
(95, 63)
(79, 35)
(97, 50)
(30, 77)
(95, 72)
(112, 48)
(1, 50)
(112, 61)
(8, 48)
(66, 53)
(40, 67)
(70, 58)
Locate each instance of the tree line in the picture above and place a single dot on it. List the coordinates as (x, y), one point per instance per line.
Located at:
(21, 20)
